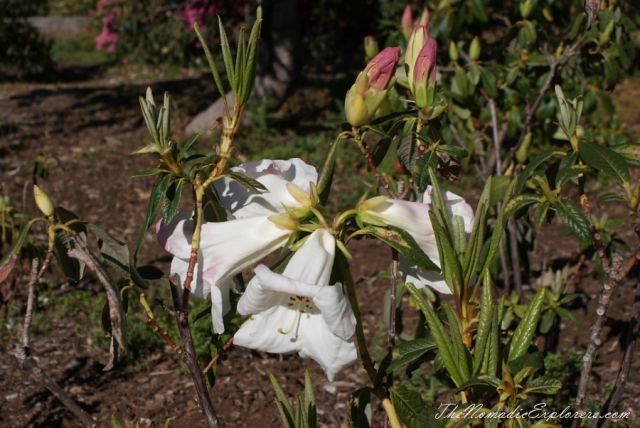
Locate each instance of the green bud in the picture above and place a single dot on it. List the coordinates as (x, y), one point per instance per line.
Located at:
(43, 201)
(521, 154)
(606, 34)
(525, 9)
(371, 47)
(474, 49)
(453, 52)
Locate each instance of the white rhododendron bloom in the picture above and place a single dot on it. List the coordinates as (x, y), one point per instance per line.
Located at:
(299, 311)
(228, 247)
(413, 217)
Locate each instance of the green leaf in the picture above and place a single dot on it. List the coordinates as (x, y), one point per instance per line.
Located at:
(428, 418)
(574, 219)
(325, 176)
(451, 150)
(212, 64)
(460, 351)
(516, 203)
(483, 380)
(540, 214)
(404, 243)
(544, 385)
(150, 272)
(15, 248)
(479, 10)
(450, 266)
(248, 183)
(445, 347)
(408, 403)
(115, 253)
(476, 239)
(429, 160)
(530, 169)
(146, 173)
(484, 325)
(605, 160)
(566, 174)
(252, 58)
(608, 197)
(408, 352)
(186, 146)
(567, 315)
(462, 82)
(309, 400)
(240, 60)
(226, 56)
(489, 82)
(523, 335)
(154, 200)
(630, 151)
(286, 412)
(498, 230)
(171, 202)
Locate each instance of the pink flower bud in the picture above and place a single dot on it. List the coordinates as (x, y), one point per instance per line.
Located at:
(418, 38)
(381, 68)
(424, 74)
(425, 18)
(407, 22)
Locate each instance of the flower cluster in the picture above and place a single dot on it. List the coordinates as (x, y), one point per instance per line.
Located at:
(299, 310)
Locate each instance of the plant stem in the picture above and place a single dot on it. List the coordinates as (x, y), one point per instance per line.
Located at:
(515, 259)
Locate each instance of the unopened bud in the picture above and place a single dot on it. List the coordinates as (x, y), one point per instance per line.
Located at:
(525, 9)
(523, 151)
(424, 75)
(371, 47)
(474, 49)
(407, 22)
(453, 52)
(298, 194)
(43, 201)
(425, 18)
(416, 41)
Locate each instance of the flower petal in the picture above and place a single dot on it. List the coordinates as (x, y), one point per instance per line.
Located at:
(220, 305)
(274, 175)
(336, 311)
(261, 332)
(421, 278)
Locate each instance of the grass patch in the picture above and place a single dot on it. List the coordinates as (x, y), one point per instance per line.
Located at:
(79, 49)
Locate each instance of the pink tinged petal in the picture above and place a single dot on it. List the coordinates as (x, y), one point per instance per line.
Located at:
(381, 68)
(176, 237)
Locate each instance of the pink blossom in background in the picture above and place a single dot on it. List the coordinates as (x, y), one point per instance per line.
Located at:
(197, 11)
(106, 40)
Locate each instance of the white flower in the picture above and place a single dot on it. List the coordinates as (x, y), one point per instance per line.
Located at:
(413, 217)
(299, 311)
(228, 247)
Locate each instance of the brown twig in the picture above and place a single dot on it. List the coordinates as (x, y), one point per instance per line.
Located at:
(24, 362)
(155, 327)
(594, 340)
(627, 359)
(574, 276)
(222, 350)
(182, 320)
(28, 317)
(374, 171)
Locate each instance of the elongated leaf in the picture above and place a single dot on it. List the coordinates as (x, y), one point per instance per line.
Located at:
(408, 404)
(574, 219)
(408, 352)
(286, 412)
(252, 57)
(72, 268)
(247, 182)
(530, 169)
(566, 174)
(484, 325)
(476, 239)
(448, 261)
(429, 160)
(226, 56)
(309, 400)
(146, 173)
(115, 253)
(240, 60)
(429, 418)
(544, 385)
(523, 335)
(498, 230)
(540, 214)
(186, 146)
(630, 151)
(149, 119)
(483, 380)
(608, 197)
(460, 351)
(451, 150)
(445, 347)
(605, 160)
(325, 177)
(404, 243)
(154, 200)
(212, 64)
(516, 203)
(169, 204)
